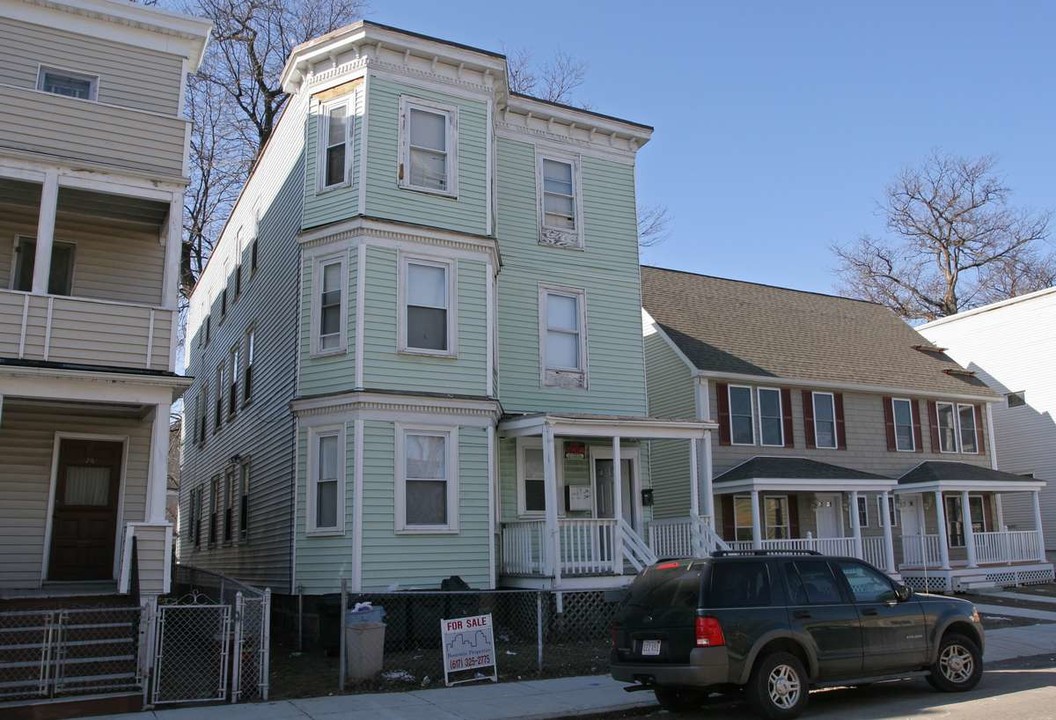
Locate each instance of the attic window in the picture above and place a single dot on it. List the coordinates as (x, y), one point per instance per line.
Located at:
(959, 371)
(1016, 399)
(68, 84)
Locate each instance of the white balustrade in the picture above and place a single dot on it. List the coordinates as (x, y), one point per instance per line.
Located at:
(523, 550)
(587, 545)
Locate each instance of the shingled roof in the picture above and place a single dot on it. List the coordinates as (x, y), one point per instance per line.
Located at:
(744, 328)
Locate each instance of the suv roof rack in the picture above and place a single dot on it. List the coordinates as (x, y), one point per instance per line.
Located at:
(728, 553)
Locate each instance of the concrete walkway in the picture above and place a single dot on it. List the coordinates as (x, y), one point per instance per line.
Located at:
(535, 699)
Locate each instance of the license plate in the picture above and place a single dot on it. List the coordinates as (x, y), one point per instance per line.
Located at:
(650, 647)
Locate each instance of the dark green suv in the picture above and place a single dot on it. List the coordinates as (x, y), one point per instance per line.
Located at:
(778, 623)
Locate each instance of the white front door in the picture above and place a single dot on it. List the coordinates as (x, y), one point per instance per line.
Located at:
(604, 489)
(828, 516)
(910, 514)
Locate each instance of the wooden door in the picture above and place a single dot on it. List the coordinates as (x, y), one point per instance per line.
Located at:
(84, 521)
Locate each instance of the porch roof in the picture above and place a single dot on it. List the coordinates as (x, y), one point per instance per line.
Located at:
(797, 474)
(585, 425)
(948, 475)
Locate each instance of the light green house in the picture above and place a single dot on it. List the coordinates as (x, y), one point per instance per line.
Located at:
(417, 346)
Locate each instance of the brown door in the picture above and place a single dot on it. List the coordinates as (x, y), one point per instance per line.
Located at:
(84, 523)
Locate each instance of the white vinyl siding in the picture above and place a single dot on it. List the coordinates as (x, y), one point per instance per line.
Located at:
(902, 414)
(426, 490)
(428, 146)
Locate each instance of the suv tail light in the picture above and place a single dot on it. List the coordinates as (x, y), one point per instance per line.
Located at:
(709, 632)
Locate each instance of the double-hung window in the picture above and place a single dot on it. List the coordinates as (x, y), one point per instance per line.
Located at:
(742, 517)
(428, 146)
(863, 511)
(329, 305)
(775, 517)
(236, 370)
(532, 491)
(68, 84)
(891, 510)
(202, 411)
(563, 338)
(60, 277)
(824, 420)
(335, 143)
(966, 423)
(326, 474)
(214, 507)
(771, 418)
(428, 314)
(902, 417)
(426, 480)
(192, 516)
(218, 405)
(956, 428)
(247, 380)
(243, 503)
(560, 219)
(742, 422)
(229, 504)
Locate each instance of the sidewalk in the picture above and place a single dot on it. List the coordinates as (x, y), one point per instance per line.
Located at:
(532, 699)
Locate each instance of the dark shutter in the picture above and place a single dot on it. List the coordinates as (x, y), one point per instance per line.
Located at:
(841, 426)
(808, 418)
(979, 434)
(933, 423)
(722, 395)
(729, 529)
(889, 423)
(793, 516)
(918, 436)
(786, 411)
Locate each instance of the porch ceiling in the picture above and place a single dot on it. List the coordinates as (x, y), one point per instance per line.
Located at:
(606, 426)
(794, 474)
(943, 475)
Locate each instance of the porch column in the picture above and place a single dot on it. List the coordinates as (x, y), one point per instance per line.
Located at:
(617, 507)
(49, 200)
(969, 533)
(889, 543)
(757, 522)
(158, 474)
(1000, 512)
(709, 490)
(694, 480)
(172, 237)
(856, 527)
(553, 539)
(944, 538)
(1036, 496)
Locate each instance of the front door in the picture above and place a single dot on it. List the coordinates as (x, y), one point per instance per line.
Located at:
(604, 484)
(828, 515)
(84, 521)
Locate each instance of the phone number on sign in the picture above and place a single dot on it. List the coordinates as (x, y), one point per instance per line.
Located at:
(473, 661)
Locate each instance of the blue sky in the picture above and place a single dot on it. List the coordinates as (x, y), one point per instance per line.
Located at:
(778, 124)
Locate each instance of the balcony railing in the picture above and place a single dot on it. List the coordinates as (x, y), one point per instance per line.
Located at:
(84, 331)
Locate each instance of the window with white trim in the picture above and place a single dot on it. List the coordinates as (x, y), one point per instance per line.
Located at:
(824, 420)
(742, 422)
(776, 518)
(946, 422)
(531, 495)
(329, 305)
(426, 480)
(236, 372)
(560, 218)
(335, 143)
(229, 504)
(863, 511)
(771, 418)
(201, 410)
(891, 510)
(243, 502)
(218, 406)
(902, 415)
(214, 507)
(247, 380)
(68, 84)
(428, 316)
(956, 428)
(562, 339)
(60, 277)
(326, 479)
(966, 428)
(742, 517)
(428, 146)
(192, 517)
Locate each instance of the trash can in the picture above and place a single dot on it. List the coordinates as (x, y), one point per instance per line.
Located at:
(364, 642)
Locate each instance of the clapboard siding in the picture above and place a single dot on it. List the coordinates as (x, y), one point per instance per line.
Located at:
(335, 372)
(263, 431)
(27, 442)
(151, 559)
(670, 388)
(129, 76)
(340, 203)
(385, 199)
(1012, 347)
(606, 269)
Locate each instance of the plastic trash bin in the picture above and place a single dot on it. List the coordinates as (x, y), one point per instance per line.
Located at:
(364, 642)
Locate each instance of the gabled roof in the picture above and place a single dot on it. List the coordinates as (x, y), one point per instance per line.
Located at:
(742, 328)
(792, 468)
(936, 471)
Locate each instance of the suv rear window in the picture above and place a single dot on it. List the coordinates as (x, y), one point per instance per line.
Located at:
(667, 585)
(739, 584)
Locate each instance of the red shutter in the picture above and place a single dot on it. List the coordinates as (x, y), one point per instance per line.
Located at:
(933, 423)
(722, 395)
(786, 411)
(808, 418)
(918, 436)
(793, 516)
(841, 426)
(729, 529)
(889, 423)
(979, 434)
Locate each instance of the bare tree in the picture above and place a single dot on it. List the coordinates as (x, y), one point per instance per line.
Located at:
(554, 81)
(954, 242)
(653, 221)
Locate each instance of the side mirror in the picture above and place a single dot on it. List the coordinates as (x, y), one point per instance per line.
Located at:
(903, 593)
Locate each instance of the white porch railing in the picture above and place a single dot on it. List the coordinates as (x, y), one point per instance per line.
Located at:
(1007, 547)
(920, 550)
(523, 551)
(683, 537)
(825, 546)
(588, 546)
(873, 549)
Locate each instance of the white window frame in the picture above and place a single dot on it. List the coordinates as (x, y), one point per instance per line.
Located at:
(563, 377)
(975, 429)
(835, 431)
(93, 80)
(450, 113)
(250, 341)
(863, 511)
(892, 510)
(322, 139)
(451, 471)
(894, 424)
(751, 400)
(956, 428)
(780, 415)
(451, 276)
(787, 502)
(736, 527)
(523, 445)
(315, 434)
(558, 236)
(234, 380)
(318, 265)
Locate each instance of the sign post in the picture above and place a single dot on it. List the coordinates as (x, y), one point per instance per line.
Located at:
(469, 647)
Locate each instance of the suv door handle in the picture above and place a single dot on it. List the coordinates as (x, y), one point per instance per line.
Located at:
(801, 614)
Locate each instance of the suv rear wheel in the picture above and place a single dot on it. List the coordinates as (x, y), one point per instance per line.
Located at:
(675, 699)
(959, 665)
(777, 688)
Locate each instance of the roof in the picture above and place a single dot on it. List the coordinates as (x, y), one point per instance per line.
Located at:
(943, 471)
(743, 328)
(792, 468)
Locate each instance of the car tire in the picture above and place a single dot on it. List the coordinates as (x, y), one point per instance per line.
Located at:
(777, 688)
(679, 700)
(958, 665)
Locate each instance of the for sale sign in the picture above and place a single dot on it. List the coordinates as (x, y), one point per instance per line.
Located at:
(469, 649)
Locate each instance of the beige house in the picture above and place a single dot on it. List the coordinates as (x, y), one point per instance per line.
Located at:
(92, 174)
